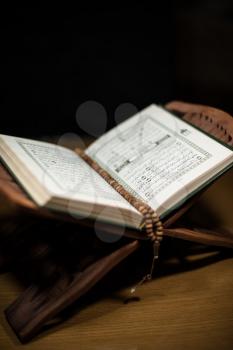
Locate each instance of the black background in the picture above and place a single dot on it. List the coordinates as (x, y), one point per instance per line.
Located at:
(57, 58)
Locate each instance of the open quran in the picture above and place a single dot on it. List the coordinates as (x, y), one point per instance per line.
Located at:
(155, 156)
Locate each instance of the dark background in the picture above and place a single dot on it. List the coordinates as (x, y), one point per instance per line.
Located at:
(57, 58)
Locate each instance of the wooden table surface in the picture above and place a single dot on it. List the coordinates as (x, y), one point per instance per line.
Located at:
(189, 305)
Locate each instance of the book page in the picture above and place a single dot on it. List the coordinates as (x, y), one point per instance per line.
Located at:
(154, 155)
(62, 172)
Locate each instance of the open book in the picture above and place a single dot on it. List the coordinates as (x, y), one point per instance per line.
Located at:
(154, 155)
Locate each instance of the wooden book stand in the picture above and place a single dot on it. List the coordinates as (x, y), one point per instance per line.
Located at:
(70, 272)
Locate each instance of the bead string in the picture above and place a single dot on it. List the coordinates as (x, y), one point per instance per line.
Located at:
(153, 225)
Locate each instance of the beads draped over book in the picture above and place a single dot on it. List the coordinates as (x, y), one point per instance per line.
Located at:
(152, 223)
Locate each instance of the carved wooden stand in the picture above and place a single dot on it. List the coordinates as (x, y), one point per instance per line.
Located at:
(65, 257)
